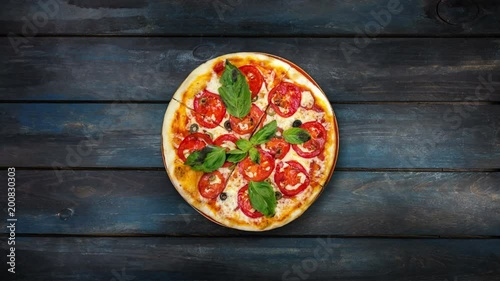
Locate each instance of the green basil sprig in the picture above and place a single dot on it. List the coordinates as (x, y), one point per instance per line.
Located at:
(262, 197)
(254, 155)
(296, 135)
(235, 92)
(243, 144)
(236, 155)
(265, 134)
(207, 159)
(246, 147)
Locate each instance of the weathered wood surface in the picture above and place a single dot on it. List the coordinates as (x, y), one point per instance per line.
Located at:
(72, 258)
(151, 69)
(248, 18)
(352, 204)
(456, 136)
(402, 99)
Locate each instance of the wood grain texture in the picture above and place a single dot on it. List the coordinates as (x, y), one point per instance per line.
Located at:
(352, 204)
(151, 69)
(247, 18)
(371, 136)
(402, 99)
(288, 259)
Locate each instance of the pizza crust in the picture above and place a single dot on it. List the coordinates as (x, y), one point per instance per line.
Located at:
(185, 180)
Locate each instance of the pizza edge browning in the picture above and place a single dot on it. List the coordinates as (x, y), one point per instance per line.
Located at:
(169, 151)
(169, 156)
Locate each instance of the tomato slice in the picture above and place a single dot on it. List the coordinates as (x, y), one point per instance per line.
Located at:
(254, 78)
(285, 99)
(211, 109)
(192, 142)
(248, 123)
(316, 144)
(227, 141)
(245, 205)
(219, 68)
(277, 147)
(211, 184)
(257, 172)
(292, 179)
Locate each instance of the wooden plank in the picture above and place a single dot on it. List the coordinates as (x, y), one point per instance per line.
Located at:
(457, 136)
(287, 259)
(247, 18)
(352, 204)
(151, 69)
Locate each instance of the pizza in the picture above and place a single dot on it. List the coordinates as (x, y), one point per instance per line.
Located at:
(249, 140)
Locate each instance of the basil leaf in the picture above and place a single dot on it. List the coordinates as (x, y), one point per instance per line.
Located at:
(296, 135)
(262, 197)
(235, 92)
(194, 159)
(243, 144)
(215, 159)
(235, 155)
(265, 134)
(254, 155)
(207, 159)
(235, 151)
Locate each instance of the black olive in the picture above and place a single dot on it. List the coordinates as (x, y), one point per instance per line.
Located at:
(278, 195)
(234, 75)
(193, 128)
(296, 123)
(227, 125)
(223, 196)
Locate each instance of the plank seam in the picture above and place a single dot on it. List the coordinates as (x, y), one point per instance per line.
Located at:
(475, 103)
(405, 170)
(279, 35)
(243, 236)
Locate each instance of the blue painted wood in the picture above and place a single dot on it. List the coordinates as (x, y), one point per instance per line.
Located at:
(246, 18)
(151, 69)
(458, 136)
(355, 203)
(71, 258)
(352, 204)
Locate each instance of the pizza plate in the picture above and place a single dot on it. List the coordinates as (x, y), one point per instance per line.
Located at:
(334, 127)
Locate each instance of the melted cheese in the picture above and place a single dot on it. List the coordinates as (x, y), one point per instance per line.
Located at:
(243, 126)
(214, 84)
(217, 180)
(307, 100)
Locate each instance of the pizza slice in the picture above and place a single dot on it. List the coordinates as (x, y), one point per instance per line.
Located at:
(282, 190)
(298, 105)
(201, 90)
(278, 185)
(182, 138)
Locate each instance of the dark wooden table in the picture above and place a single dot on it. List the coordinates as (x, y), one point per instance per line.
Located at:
(415, 195)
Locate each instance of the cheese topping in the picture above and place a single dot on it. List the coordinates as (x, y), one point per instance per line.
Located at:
(216, 180)
(214, 84)
(307, 100)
